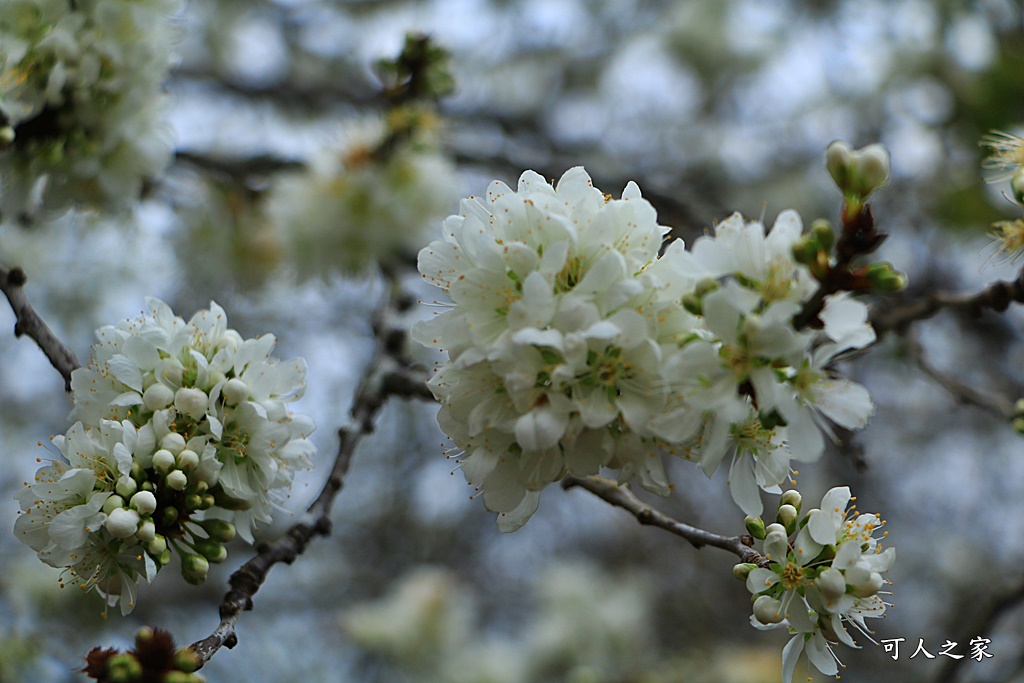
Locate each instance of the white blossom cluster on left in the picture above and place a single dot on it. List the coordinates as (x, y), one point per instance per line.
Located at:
(80, 101)
(573, 345)
(182, 439)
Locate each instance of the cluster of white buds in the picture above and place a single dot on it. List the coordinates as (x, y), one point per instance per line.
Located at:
(826, 572)
(573, 345)
(183, 439)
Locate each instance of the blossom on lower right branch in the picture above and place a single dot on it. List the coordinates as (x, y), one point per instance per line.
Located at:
(827, 576)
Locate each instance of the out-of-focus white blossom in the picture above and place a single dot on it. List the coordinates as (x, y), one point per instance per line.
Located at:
(367, 202)
(81, 93)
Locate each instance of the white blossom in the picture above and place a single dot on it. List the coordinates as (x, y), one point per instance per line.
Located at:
(553, 368)
(573, 345)
(81, 87)
(828, 576)
(248, 447)
(360, 202)
(62, 515)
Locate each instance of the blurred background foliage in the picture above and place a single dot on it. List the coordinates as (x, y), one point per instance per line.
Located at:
(293, 148)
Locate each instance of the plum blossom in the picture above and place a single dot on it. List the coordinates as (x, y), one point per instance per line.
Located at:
(576, 343)
(828, 576)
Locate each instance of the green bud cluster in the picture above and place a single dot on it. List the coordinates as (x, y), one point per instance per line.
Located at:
(884, 279)
(154, 658)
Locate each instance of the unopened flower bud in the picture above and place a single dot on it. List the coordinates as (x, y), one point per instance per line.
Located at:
(144, 502)
(192, 402)
(219, 530)
(163, 461)
(6, 136)
(1018, 425)
(193, 501)
(792, 497)
(157, 545)
(123, 668)
(164, 558)
(230, 503)
(186, 660)
(831, 583)
(235, 391)
(768, 610)
(170, 516)
(755, 527)
(146, 531)
(839, 162)
(776, 534)
(188, 459)
(122, 523)
(177, 480)
(113, 503)
(823, 234)
(1018, 407)
(126, 486)
(884, 279)
(788, 517)
(805, 250)
(157, 397)
(194, 568)
(173, 442)
(873, 168)
(211, 550)
(742, 570)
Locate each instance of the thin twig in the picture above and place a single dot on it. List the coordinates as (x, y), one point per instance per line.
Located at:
(964, 393)
(29, 323)
(997, 297)
(385, 377)
(621, 496)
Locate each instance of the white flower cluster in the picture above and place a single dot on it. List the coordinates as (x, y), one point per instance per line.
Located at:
(183, 436)
(828, 576)
(80, 100)
(573, 345)
(361, 204)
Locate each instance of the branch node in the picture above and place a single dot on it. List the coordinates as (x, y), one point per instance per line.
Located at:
(16, 277)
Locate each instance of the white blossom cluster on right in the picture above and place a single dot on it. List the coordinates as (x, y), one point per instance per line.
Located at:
(573, 345)
(80, 101)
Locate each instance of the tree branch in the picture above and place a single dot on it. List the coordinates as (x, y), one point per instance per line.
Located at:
(997, 297)
(29, 323)
(621, 496)
(964, 393)
(385, 377)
